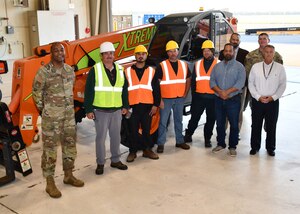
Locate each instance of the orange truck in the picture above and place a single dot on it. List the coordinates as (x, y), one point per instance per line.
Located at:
(189, 30)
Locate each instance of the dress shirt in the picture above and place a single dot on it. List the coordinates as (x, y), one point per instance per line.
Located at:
(227, 75)
(267, 80)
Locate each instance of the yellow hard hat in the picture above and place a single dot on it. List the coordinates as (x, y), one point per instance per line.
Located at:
(207, 44)
(140, 49)
(171, 45)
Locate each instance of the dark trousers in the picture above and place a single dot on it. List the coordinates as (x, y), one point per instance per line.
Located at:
(199, 104)
(230, 109)
(140, 118)
(269, 112)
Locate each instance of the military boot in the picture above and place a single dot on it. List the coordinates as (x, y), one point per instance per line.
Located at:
(51, 188)
(187, 137)
(70, 179)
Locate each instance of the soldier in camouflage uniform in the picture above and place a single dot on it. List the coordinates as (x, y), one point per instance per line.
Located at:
(53, 94)
(257, 56)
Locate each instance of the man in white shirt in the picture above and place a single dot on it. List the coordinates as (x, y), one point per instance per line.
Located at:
(267, 82)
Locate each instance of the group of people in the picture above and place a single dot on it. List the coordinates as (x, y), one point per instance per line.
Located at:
(218, 86)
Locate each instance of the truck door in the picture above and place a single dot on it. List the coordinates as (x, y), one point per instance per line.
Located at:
(221, 31)
(214, 27)
(201, 31)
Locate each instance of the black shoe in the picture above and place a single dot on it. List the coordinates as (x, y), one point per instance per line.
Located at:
(187, 137)
(119, 165)
(253, 152)
(160, 149)
(207, 144)
(271, 153)
(99, 170)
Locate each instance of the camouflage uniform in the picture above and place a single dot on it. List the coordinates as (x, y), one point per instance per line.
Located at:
(252, 58)
(53, 94)
(256, 56)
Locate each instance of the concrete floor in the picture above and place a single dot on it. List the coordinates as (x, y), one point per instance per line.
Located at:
(193, 181)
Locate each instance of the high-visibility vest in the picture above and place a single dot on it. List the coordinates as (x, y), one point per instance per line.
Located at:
(173, 85)
(202, 78)
(140, 91)
(106, 95)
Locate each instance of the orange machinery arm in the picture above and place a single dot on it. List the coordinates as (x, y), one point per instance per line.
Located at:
(81, 54)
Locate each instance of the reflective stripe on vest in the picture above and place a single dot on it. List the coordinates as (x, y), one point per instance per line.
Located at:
(173, 85)
(106, 95)
(202, 78)
(140, 91)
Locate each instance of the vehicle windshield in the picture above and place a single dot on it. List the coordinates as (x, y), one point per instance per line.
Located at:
(163, 34)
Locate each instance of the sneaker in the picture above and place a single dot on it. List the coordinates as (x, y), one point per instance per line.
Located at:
(131, 157)
(148, 153)
(183, 146)
(118, 165)
(232, 152)
(217, 149)
(160, 149)
(100, 169)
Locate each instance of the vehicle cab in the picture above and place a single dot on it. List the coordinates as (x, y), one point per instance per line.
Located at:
(190, 30)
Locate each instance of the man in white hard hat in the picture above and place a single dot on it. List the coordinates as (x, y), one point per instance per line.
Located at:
(105, 100)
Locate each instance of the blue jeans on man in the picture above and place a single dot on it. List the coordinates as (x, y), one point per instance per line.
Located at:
(175, 104)
(230, 109)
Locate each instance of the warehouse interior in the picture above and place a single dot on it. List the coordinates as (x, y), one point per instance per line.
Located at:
(192, 181)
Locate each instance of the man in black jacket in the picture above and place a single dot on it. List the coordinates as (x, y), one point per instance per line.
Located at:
(240, 55)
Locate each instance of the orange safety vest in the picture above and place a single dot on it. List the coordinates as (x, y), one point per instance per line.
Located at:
(202, 78)
(140, 91)
(173, 85)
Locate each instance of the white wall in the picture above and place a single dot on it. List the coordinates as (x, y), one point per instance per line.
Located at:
(17, 45)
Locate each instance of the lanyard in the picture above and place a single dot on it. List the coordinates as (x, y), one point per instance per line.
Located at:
(266, 76)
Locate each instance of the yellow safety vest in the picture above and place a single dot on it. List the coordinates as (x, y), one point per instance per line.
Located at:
(106, 95)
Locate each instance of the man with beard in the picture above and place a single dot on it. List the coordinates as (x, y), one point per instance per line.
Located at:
(202, 94)
(52, 92)
(240, 56)
(144, 99)
(227, 80)
(239, 53)
(105, 100)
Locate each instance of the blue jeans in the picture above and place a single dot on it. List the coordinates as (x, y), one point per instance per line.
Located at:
(176, 104)
(229, 108)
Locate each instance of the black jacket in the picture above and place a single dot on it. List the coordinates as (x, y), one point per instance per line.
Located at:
(240, 57)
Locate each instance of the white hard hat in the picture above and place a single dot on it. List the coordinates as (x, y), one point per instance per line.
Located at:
(107, 47)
